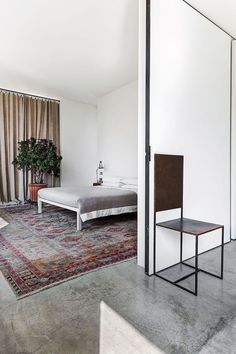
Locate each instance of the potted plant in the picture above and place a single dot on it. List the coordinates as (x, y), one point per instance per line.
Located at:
(40, 157)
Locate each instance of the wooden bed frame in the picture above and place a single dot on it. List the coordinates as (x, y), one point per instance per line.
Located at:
(40, 210)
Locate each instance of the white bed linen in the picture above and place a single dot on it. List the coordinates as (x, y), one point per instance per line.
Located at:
(106, 212)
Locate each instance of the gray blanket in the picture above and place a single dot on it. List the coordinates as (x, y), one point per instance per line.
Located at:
(88, 199)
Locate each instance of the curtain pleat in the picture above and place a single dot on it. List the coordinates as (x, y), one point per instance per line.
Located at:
(23, 117)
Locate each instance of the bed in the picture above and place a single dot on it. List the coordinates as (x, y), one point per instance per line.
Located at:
(90, 202)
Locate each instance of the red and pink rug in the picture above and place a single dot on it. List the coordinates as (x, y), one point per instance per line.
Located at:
(38, 251)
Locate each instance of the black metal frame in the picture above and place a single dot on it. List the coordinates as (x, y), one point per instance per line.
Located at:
(147, 134)
(196, 268)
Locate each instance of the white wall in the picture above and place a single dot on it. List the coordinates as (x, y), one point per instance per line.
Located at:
(141, 135)
(233, 150)
(117, 114)
(78, 143)
(190, 115)
(108, 132)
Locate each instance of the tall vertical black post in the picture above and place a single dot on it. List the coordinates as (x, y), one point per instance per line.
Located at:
(147, 134)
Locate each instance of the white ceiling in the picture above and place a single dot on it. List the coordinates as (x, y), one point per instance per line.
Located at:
(222, 12)
(78, 49)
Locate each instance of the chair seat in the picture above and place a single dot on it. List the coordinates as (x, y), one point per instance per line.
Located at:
(189, 226)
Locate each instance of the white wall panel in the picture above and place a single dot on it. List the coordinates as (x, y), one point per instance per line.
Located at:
(117, 121)
(233, 151)
(190, 115)
(78, 143)
(141, 134)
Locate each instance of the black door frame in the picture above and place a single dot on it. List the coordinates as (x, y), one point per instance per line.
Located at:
(147, 134)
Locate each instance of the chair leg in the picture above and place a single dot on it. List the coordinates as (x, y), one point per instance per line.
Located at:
(196, 266)
(181, 247)
(222, 253)
(154, 245)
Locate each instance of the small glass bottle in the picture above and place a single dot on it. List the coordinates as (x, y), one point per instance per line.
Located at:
(99, 171)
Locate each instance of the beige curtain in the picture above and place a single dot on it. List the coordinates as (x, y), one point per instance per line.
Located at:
(23, 117)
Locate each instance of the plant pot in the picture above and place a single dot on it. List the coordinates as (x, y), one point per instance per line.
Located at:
(33, 190)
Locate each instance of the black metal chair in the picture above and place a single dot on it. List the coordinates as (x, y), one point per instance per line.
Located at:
(168, 190)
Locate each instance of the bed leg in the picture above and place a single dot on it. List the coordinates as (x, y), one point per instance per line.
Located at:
(79, 222)
(40, 204)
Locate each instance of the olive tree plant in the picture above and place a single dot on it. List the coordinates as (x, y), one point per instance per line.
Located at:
(38, 156)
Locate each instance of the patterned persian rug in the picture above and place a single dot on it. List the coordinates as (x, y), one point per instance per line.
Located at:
(38, 251)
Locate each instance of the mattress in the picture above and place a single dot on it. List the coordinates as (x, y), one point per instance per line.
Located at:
(92, 202)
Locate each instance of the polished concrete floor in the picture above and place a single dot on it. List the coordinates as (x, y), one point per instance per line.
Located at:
(65, 318)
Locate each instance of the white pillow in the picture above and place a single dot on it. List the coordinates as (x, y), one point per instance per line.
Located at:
(112, 179)
(129, 181)
(111, 184)
(130, 187)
